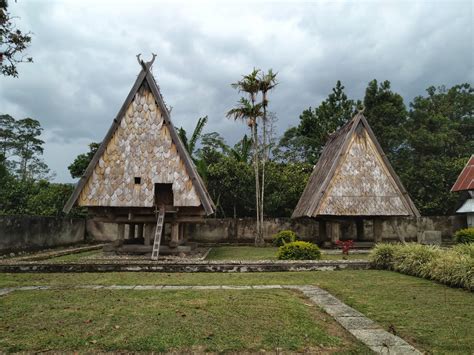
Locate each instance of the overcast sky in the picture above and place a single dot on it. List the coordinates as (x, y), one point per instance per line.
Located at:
(84, 58)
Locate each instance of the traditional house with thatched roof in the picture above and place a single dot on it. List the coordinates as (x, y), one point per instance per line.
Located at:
(352, 181)
(142, 176)
(465, 183)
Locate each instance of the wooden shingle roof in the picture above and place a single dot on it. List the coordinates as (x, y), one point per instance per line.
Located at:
(353, 177)
(146, 78)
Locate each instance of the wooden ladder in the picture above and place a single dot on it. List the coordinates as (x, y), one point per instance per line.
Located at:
(158, 233)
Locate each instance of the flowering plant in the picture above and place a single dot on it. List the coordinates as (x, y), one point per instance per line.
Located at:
(345, 245)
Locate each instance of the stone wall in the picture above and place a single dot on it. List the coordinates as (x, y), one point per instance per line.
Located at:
(30, 232)
(242, 230)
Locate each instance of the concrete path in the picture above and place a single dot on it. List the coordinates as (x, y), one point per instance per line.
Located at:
(361, 327)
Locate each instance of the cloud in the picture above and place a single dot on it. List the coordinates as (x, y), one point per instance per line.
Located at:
(85, 63)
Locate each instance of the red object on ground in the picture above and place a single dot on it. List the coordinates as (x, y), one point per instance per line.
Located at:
(465, 180)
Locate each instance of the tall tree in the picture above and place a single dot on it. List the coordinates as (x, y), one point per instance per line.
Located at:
(79, 165)
(13, 42)
(315, 126)
(387, 115)
(440, 140)
(28, 148)
(267, 82)
(248, 109)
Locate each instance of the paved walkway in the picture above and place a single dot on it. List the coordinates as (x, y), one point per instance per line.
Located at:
(364, 329)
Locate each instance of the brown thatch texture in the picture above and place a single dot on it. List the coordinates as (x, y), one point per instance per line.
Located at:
(354, 178)
(142, 142)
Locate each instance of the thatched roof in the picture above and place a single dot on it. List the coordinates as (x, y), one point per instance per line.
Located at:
(353, 177)
(145, 87)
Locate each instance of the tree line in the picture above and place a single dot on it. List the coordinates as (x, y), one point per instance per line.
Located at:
(428, 142)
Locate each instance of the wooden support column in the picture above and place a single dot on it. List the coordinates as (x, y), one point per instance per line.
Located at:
(174, 235)
(120, 234)
(140, 230)
(131, 231)
(120, 231)
(334, 231)
(378, 230)
(360, 228)
(181, 232)
(149, 234)
(322, 231)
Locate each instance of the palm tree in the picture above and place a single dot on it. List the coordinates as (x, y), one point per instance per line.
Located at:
(249, 110)
(267, 81)
(190, 144)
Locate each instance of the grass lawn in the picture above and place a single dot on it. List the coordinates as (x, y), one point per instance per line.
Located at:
(124, 320)
(433, 317)
(76, 257)
(267, 253)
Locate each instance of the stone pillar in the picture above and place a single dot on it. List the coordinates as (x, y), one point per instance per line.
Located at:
(334, 231)
(378, 229)
(174, 235)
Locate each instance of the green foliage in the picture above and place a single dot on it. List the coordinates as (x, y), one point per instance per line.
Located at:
(79, 165)
(465, 249)
(13, 42)
(453, 267)
(40, 198)
(299, 250)
(190, 144)
(464, 236)
(440, 140)
(309, 138)
(386, 114)
(283, 237)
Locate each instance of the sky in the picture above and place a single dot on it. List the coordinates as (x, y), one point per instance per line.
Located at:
(85, 62)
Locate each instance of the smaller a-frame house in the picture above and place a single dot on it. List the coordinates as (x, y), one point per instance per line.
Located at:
(142, 175)
(353, 180)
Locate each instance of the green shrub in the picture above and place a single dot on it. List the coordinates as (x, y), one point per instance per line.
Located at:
(299, 251)
(465, 249)
(464, 235)
(283, 237)
(382, 255)
(453, 267)
(413, 258)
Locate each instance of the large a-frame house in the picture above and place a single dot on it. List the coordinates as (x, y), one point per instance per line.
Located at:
(142, 175)
(353, 180)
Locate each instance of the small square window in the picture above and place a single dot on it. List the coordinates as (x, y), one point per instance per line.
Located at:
(138, 180)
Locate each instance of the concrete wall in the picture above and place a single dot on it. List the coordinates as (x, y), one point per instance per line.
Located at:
(29, 232)
(242, 230)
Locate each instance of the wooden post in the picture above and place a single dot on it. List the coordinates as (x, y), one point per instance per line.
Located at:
(120, 231)
(322, 231)
(140, 231)
(181, 232)
(334, 231)
(131, 231)
(360, 228)
(174, 235)
(149, 234)
(378, 229)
